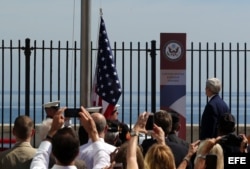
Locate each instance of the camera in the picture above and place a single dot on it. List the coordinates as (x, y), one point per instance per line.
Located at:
(113, 129)
(231, 139)
(72, 112)
(112, 126)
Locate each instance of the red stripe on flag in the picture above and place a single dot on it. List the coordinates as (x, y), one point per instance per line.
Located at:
(108, 112)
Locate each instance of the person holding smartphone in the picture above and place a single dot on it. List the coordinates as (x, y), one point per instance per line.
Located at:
(163, 119)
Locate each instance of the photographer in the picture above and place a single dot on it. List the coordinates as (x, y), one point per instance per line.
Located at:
(112, 134)
(230, 142)
(123, 128)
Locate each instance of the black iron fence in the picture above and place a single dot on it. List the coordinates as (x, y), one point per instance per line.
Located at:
(51, 71)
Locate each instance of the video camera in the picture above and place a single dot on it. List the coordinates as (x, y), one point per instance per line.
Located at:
(112, 126)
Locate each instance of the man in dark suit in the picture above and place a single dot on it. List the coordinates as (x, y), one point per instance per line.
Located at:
(163, 119)
(176, 126)
(214, 109)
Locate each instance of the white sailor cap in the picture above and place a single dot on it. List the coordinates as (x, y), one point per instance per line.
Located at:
(51, 104)
(116, 107)
(95, 109)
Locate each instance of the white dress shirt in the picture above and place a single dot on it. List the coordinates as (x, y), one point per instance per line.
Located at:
(41, 158)
(209, 98)
(97, 154)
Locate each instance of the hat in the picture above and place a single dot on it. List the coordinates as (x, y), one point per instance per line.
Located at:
(116, 108)
(51, 104)
(94, 109)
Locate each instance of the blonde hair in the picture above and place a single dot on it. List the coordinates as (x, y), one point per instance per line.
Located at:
(159, 157)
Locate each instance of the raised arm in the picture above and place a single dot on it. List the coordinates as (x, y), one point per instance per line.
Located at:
(208, 145)
(41, 158)
(132, 144)
(192, 149)
(88, 124)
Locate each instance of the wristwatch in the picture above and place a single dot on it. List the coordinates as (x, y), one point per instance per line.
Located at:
(201, 156)
(134, 133)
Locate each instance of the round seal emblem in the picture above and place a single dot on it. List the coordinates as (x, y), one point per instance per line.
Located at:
(173, 51)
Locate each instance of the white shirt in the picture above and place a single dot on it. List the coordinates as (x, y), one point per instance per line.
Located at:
(97, 154)
(209, 98)
(63, 167)
(41, 158)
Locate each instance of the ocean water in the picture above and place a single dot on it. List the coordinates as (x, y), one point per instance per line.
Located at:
(130, 107)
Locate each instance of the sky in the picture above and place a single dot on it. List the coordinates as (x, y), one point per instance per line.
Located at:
(127, 20)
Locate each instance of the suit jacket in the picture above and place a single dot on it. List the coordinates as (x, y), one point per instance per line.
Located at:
(20, 156)
(179, 151)
(212, 113)
(172, 137)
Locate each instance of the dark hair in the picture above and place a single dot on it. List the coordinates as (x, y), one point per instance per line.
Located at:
(23, 126)
(65, 145)
(113, 126)
(163, 119)
(83, 135)
(124, 129)
(226, 124)
(175, 119)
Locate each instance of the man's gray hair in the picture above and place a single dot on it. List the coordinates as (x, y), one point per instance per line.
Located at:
(214, 85)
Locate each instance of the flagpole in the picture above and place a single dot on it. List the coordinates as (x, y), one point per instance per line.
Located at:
(85, 76)
(153, 76)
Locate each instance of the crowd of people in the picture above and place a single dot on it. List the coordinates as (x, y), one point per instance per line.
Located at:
(106, 143)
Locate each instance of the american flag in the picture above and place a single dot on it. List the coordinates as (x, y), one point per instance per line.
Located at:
(106, 85)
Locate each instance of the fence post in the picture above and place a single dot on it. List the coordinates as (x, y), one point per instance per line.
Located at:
(27, 52)
(153, 75)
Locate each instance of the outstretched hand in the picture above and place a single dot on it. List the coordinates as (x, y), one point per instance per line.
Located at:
(58, 121)
(88, 124)
(158, 134)
(209, 143)
(193, 148)
(141, 122)
(244, 143)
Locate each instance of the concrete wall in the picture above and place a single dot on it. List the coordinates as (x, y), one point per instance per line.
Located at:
(7, 132)
(195, 130)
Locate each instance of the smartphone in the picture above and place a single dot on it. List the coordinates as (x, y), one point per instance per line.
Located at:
(211, 161)
(150, 122)
(72, 112)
